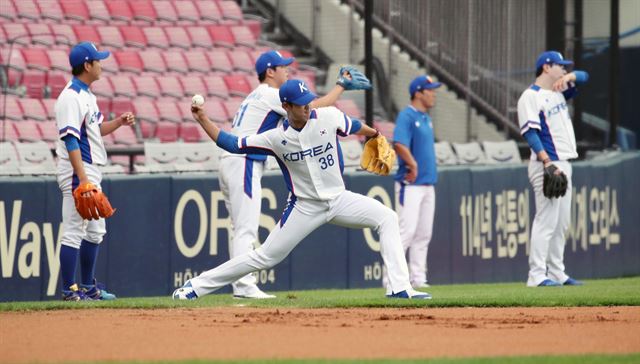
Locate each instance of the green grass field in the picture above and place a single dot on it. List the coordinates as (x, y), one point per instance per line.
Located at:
(601, 292)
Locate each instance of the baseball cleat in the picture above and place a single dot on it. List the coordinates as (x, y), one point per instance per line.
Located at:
(97, 291)
(572, 282)
(257, 295)
(74, 294)
(549, 283)
(186, 292)
(410, 294)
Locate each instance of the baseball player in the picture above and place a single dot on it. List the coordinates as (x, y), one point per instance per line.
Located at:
(416, 176)
(80, 151)
(240, 175)
(546, 125)
(308, 153)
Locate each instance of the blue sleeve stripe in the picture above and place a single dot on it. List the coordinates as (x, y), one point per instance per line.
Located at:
(533, 139)
(346, 124)
(356, 125)
(67, 129)
(71, 142)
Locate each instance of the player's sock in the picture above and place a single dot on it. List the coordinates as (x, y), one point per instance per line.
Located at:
(68, 262)
(88, 257)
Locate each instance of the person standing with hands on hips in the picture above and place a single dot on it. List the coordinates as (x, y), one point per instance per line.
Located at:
(417, 175)
(545, 123)
(80, 151)
(307, 150)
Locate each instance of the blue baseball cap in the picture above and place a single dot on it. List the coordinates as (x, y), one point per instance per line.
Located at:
(271, 59)
(296, 92)
(85, 52)
(423, 82)
(551, 57)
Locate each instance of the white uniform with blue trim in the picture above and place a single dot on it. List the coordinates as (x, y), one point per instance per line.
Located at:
(311, 163)
(241, 175)
(547, 111)
(77, 114)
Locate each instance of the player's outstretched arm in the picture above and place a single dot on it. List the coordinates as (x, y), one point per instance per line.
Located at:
(209, 127)
(349, 78)
(109, 127)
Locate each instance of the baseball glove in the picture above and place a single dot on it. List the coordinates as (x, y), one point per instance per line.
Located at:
(378, 156)
(91, 203)
(358, 80)
(555, 182)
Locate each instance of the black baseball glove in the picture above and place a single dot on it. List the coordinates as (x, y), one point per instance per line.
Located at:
(555, 182)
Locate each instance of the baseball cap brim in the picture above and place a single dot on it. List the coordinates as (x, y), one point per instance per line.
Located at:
(102, 55)
(304, 99)
(432, 85)
(564, 62)
(284, 62)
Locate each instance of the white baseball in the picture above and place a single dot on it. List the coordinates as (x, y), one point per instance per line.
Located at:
(197, 100)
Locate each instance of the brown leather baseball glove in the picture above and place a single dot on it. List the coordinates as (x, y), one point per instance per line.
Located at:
(91, 203)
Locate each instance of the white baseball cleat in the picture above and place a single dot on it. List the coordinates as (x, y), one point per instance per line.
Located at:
(256, 295)
(411, 294)
(186, 292)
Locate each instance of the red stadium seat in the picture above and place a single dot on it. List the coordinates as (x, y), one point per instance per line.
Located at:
(200, 37)
(59, 59)
(33, 109)
(50, 10)
(125, 135)
(75, 10)
(12, 109)
(232, 105)
(175, 62)
(191, 133)
(237, 84)
(146, 86)
(217, 111)
(197, 61)
(123, 86)
(147, 129)
(221, 36)
(216, 86)
(255, 26)
(152, 61)
(168, 110)
(219, 60)
(98, 11)
(17, 31)
(184, 106)
(16, 65)
(3, 36)
(64, 34)
(41, 34)
(241, 60)
(34, 81)
(349, 107)
(145, 109)
(166, 132)
(385, 128)
(119, 106)
(193, 85)
(110, 64)
(165, 11)
(8, 12)
(111, 36)
(129, 61)
(243, 36)
(230, 10)
(178, 37)
(186, 10)
(36, 58)
(170, 86)
(87, 33)
(49, 108)
(119, 11)
(143, 10)
(104, 105)
(49, 131)
(133, 36)
(28, 131)
(208, 10)
(156, 37)
(56, 82)
(11, 135)
(27, 9)
(103, 87)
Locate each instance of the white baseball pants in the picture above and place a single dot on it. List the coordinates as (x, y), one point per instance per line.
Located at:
(416, 208)
(300, 218)
(74, 227)
(550, 223)
(240, 183)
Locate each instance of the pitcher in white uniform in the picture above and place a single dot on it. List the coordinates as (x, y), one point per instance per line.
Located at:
(306, 148)
(80, 151)
(546, 125)
(241, 174)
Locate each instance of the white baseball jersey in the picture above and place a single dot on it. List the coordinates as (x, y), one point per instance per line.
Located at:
(310, 159)
(77, 114)
(259, 112)
(547, 111)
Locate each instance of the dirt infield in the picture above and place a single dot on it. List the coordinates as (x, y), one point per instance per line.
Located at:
(250, 333)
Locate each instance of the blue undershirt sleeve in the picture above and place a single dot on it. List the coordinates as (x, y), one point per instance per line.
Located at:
(228, 142)
(533, 139)
(71, 142)
(356, 125)
(581, 77)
